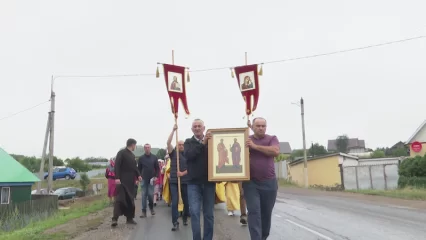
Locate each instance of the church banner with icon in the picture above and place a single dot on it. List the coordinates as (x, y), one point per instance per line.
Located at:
(248, 82)
(176, 87)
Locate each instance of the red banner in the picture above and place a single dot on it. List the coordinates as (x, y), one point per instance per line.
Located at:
(175, 84)
(248, 82)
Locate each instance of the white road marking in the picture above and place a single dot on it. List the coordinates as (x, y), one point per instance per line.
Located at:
(309, 230)
(276, 215)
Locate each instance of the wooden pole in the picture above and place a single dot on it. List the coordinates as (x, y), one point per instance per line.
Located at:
(43, 155)
(51, 140)
(177, 139)
(248, 115)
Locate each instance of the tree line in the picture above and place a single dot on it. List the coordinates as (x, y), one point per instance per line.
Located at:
(80, 165)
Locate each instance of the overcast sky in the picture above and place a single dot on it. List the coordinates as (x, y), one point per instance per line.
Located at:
(374, 94)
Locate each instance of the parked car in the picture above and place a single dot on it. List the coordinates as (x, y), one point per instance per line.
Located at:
(62, 172)
(67, 193)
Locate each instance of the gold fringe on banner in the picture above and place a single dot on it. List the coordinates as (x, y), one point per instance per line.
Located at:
(261, 70)
(157, 73)
(232, 73)
(187, 76)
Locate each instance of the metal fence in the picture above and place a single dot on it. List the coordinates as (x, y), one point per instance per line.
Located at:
(17, 215)
(281, 169)
(380, 177)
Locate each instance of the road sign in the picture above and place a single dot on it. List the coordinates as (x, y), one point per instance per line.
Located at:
(416, 146)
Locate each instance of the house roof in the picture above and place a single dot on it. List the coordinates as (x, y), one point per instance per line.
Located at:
(285, 148)
(12, 171)
(352, 143)
(419, 129)
(324, 156)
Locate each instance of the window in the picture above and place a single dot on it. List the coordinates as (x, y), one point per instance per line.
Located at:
(62, 169)
(5, 195)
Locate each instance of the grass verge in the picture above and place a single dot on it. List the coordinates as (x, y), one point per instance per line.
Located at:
(71, 183)
(286, 183)
(34, 231)
(405, 193)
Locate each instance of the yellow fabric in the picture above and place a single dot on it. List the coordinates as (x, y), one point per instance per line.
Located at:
(220, 192)
(166, 189)
(232, 192)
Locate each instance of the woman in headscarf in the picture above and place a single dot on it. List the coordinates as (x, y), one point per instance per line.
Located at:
(110, 175)
(158, 183)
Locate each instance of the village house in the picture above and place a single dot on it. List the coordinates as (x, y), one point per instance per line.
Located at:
(285, 148)
(15, 180)
(355, 145)
(417, 141)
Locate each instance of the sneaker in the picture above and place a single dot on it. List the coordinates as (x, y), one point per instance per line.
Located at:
(152, 212)
(175, 226)
(143, 215)
(185, 222)
(230, 213)
(114, 223)
(131, 221)
(243, 219)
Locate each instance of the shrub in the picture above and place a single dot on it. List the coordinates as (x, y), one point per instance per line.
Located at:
(417, 182)
(84, 181)
(413, 167)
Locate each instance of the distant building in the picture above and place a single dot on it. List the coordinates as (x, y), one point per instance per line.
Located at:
(15, 180)
(285, 148)
(355, 145)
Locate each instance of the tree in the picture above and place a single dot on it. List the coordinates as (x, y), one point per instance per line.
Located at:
(297, 153)
(378, 154)
(317, 150)
(79, 165)
(161, 154)
(342, 143)
(281, 157)
(400, 152)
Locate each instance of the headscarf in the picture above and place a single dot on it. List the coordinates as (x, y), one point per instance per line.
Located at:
(111, 166)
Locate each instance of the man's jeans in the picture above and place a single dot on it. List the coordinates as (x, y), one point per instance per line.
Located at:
(260, 199)
(175, 201)
(202, 195)
(147, 191)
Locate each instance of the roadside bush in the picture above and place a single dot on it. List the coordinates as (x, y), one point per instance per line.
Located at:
(84, 181)
(413, 167)
(417, 182)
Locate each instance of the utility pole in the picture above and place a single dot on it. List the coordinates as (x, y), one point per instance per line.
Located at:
(43, 155)
(305, 172)
(51, 138)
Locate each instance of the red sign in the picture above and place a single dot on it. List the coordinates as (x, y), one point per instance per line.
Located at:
(416, 146)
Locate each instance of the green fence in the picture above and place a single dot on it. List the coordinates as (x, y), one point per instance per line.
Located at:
(17, 215)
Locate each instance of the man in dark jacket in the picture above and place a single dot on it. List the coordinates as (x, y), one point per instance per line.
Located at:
(174, 183)
(200, 190)
(149, 169)
(125, 174)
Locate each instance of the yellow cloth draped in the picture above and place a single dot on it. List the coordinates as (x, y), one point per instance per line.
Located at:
(166, 188)
(220, 192)
(232, 191)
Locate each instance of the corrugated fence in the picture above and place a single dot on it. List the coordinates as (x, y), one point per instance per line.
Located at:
(381, 177)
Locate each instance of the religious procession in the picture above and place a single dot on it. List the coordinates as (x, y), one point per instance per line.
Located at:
(197, 173)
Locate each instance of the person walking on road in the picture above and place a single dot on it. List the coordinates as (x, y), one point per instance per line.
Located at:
(201, 192)
(174, 174)
(261, 191)
(110, 175)
(149, 169)
(125, 173)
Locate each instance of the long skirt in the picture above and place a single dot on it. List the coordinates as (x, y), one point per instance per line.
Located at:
(112, 192)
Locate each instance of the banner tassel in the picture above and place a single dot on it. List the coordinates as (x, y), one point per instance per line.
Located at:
(187, 76)
(157, 73)
(261, 70)
(232, 73)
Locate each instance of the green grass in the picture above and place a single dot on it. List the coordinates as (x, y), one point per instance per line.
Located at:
(405, 193)
(34, 231)
(71, 183)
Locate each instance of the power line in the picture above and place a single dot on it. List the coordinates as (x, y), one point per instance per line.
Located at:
(266, 62)
(25, 110)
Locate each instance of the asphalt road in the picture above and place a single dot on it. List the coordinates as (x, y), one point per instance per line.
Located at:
(305, 217)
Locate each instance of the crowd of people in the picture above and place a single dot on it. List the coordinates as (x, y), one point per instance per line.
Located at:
(161, 179)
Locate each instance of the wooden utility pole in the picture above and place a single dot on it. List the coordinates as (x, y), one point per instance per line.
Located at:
(305, 159)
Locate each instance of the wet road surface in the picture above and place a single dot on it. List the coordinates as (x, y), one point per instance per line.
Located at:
(304, 217)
